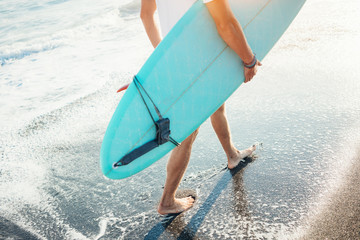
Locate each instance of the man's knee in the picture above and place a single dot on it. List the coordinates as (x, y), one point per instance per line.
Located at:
(221, 110)
(190, 139)
(195, 133)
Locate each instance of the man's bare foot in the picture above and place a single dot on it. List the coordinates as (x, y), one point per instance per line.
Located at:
(239, 157)
(178, 206)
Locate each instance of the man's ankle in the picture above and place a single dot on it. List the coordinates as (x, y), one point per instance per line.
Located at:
(167, 202)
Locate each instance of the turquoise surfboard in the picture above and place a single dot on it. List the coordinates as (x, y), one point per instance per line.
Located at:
(188, 76)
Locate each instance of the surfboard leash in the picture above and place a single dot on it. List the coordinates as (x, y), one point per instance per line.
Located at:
(162, 130)
(137, 82)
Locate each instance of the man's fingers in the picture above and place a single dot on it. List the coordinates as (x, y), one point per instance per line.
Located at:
(246, 78)
(250, 73)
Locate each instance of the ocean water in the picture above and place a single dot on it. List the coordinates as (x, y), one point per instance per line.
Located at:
(54, 52)
(61, 63)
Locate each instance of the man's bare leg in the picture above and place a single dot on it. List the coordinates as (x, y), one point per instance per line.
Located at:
(222, 129)
(176, 167)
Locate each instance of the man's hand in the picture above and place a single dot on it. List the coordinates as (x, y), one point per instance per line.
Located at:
(249, 73)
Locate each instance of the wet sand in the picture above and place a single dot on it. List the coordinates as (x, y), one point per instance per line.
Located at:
(340, 216)
(8, 229)
(303, 107)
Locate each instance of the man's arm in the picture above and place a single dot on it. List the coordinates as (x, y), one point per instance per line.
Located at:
(147, 15)
(231, 32)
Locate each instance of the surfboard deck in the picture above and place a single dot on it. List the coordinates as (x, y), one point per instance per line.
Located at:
(189, 76)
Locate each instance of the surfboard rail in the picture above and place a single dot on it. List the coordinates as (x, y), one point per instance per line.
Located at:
(189, 76)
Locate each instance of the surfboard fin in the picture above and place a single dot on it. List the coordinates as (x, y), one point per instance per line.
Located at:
(123, 88)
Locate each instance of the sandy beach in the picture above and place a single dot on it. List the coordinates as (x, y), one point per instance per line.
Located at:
(339, 217)
(60, 69)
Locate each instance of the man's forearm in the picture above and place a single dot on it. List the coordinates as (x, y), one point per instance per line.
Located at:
(148, 8)
(152, 30)
(234, 36)
(229, 29)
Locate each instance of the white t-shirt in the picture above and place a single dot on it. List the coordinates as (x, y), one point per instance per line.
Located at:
(170, 11)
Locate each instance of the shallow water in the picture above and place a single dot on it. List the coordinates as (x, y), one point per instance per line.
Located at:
(303, 107)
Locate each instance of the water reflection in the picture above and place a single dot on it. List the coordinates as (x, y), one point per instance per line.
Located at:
(176, 225)
(240, 202)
